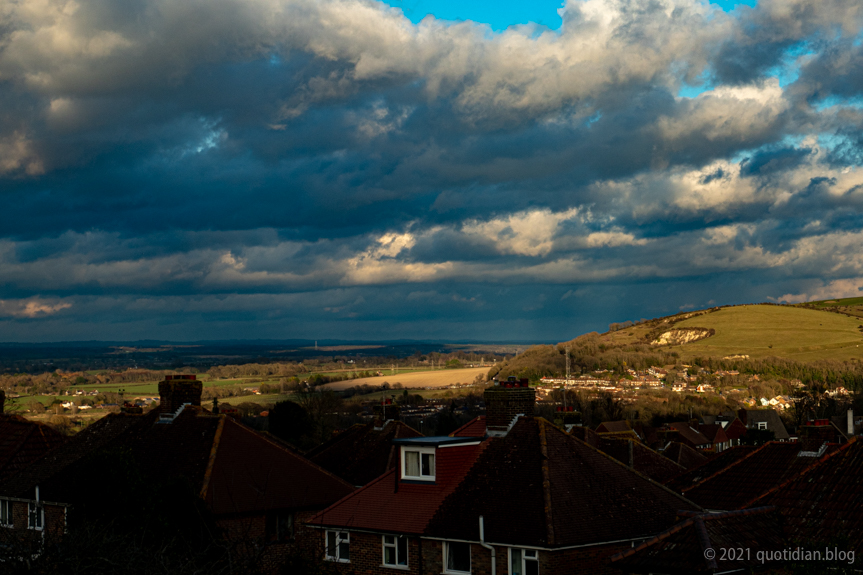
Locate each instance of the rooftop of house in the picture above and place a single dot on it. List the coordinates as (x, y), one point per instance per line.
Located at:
(713, 432)
(687, 433)
(707, 468)
(739, 484)
(824, 501)
(752, 417)
(362, 452)
(231, 466)
(644, 460)
(533, 468)
(473, 428)
(613, 427)
(22, 442)
(683, 548)
(683, 455)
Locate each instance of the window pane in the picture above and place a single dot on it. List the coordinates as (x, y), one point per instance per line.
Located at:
(428, 464)
(403, 550)
(389, 555)
(331, 543)
(458, 557)
(412, 463)
(4, 512)
(531, 567)
(515, 567)
(344, 551)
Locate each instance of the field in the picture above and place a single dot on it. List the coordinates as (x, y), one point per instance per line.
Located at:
(782, 331)
(437, 378)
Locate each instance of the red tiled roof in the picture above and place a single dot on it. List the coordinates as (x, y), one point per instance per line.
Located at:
(683, 455)
(736, 429)
(473, 428)
(745, 480)
(825, 500)
(681, 549)
(361, 453)
(379, 506)
(713, 432)
(708, 468)
(22, 442)
(532, 486)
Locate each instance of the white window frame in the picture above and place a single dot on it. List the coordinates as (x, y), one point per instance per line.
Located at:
(421, 451)
(446, 545)
(341, 537)
(524, 559)
(6, 505)
(762, 426)
(40, 514)
(395, 546)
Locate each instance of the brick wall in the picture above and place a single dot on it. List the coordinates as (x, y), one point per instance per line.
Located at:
(174, 393)
(503, 404)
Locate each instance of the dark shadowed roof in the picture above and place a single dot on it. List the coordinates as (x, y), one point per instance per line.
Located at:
(681, 549)
(713, 432)
(742, 482)
(235, 469)
(22, 442)
(558, 491)
(751, 418)
(613, 427)
(688, 434)
(683, 455)
(709, 467)
(361, 453)
(644, 460)
(585, 434)
(825, 502)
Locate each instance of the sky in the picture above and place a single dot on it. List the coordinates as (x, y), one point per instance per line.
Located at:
(423, 169)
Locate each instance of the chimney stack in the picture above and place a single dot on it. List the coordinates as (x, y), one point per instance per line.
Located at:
(177, 390)
(2, 401)
(386, 410)
(850, 422)
(506, 400)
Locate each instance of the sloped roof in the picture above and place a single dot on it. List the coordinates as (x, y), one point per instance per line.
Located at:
(687, 433)
(473, 428)
(713, 432)
(535, 486)
(681, 549)
(825, 500)
(22, 442)
(751, 418)
(235, 469)
(753, 475)
(558, 491)
(361, 453)
(645, 460)
(707, 468)
(391, 506)
(683, 455)
(585, 434)
(736, 429)
(613, 427)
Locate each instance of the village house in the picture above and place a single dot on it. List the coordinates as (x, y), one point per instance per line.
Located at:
(508, 493)
(254, 487)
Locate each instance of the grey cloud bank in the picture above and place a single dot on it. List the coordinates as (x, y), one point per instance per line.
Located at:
(299, 168)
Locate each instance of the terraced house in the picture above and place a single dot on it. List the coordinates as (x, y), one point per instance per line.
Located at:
(509, 493)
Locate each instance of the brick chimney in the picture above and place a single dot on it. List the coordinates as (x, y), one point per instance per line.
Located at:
(506, 400)
(2, 401)
(384, 411)
(177, 390)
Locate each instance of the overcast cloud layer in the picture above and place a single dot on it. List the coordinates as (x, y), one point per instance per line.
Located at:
(326, 168)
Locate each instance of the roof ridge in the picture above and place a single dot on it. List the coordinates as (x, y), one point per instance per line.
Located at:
(620, 463)
(546, 480)
(804, 471)
(211, 462)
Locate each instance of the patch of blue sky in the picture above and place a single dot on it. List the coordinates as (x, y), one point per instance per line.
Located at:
(834, 100)
(501, 14)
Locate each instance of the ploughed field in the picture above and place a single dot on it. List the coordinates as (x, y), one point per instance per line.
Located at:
(416, 379)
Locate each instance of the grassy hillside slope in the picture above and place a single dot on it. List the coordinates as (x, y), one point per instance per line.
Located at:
(775, 331)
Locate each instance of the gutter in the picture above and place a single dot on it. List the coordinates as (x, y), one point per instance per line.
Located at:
(487, 546)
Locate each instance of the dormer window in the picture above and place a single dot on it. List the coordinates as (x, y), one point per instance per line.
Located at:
(418, 463)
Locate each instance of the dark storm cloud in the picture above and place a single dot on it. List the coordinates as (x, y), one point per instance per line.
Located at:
(262, 165)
